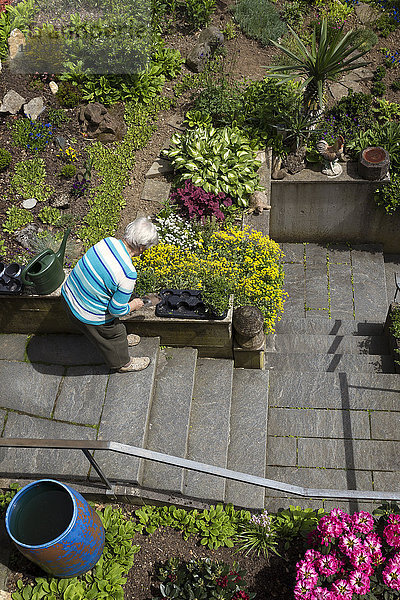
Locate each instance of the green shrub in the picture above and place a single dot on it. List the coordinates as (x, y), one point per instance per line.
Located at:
(169, 60)
(68, 94)
(388, 196)
(5, 159)
(199, 12)
(385, 24)
(386, 135)
(201, 579)
(16, 218)
(350, 115)
(68, 171)
(218, 160)
(221, 100)
(395, 323)
(378, 89)
(396, 85)
(380, 73)
(28, 180)
(293, 12)
(259, 19)
(50, 215)
(57, 117)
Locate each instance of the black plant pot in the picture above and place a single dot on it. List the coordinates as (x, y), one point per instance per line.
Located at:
(185, 304)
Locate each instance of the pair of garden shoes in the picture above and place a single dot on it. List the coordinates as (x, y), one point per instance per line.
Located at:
(136, 363)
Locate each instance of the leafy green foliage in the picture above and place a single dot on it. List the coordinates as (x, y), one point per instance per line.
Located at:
(199, 12)
(15, 16)
(31, 135)
(215, 526)
(105, 580)
(197, 119)
(57, 117)
(28, 180)
(201, 579)
(380, 73)
(324, 61)
(378, 88)
(396, 85)
(218, 160)
(170, 61)
(114, 165)
(386, 135)
(388, 196)
(293, 12)
(7, 496)
(50, 215)
(395, 325)
(5, 159)
(16, 218)
(294, 521)
(68, 94)
(68, 171)
(259, 19)
(385, 24)
(350, 115)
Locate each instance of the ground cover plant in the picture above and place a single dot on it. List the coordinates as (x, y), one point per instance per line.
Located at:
(223, 262)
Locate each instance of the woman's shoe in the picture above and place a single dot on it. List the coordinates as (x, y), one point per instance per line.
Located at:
(135, 364)
(133, 339)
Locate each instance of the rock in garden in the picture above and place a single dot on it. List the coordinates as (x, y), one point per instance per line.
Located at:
(211, 36)
(60, 201)
(34, 108)
(53, 87)
(29, 203)
(12, 103)
(198, 57)
(16, 42)
(97, 123)
(27, 237)
(366, 13)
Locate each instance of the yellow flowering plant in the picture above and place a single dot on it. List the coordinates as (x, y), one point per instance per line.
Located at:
(244, 263)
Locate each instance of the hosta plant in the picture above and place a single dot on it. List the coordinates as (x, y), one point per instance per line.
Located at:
(218, 160)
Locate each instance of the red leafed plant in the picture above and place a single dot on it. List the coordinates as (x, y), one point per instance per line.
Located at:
(196, 203)
(3, 4)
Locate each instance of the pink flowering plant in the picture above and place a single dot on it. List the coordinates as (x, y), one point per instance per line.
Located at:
(352, 558)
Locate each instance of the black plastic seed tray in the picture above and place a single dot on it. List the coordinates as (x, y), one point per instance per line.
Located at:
(10, 280)
(184, 304)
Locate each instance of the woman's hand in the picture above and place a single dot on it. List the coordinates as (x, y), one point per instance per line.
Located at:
(135, 304)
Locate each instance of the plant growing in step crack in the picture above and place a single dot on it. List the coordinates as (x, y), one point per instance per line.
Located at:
(218, 160)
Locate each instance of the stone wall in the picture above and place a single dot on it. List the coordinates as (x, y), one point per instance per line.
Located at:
(309, 207)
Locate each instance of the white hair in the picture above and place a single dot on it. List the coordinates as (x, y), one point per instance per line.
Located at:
(141, 232)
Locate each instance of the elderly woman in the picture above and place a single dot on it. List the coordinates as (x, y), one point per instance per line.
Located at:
(97, 292)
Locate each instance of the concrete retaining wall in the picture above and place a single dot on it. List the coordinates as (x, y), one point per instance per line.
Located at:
(309, 207)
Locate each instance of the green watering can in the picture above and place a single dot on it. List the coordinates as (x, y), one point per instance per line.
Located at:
(45, 271)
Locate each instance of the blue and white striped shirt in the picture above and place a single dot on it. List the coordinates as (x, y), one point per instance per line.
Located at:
(99, 287)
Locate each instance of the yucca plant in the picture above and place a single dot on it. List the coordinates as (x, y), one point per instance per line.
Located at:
(326, 59)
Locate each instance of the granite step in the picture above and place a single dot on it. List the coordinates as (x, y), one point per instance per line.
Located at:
(169, 416)
(331, 344)
(347, 391)
(248, 436)
(208, 438)
(130, 424)
(326, 326)
(303, 362)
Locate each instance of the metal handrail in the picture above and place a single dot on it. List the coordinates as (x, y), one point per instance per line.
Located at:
(184, 463)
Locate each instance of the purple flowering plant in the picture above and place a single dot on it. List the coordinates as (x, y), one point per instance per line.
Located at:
(196, 203)
(352, 558)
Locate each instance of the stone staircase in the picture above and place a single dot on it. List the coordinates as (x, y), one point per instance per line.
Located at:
(193, 408)
(325, 412)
